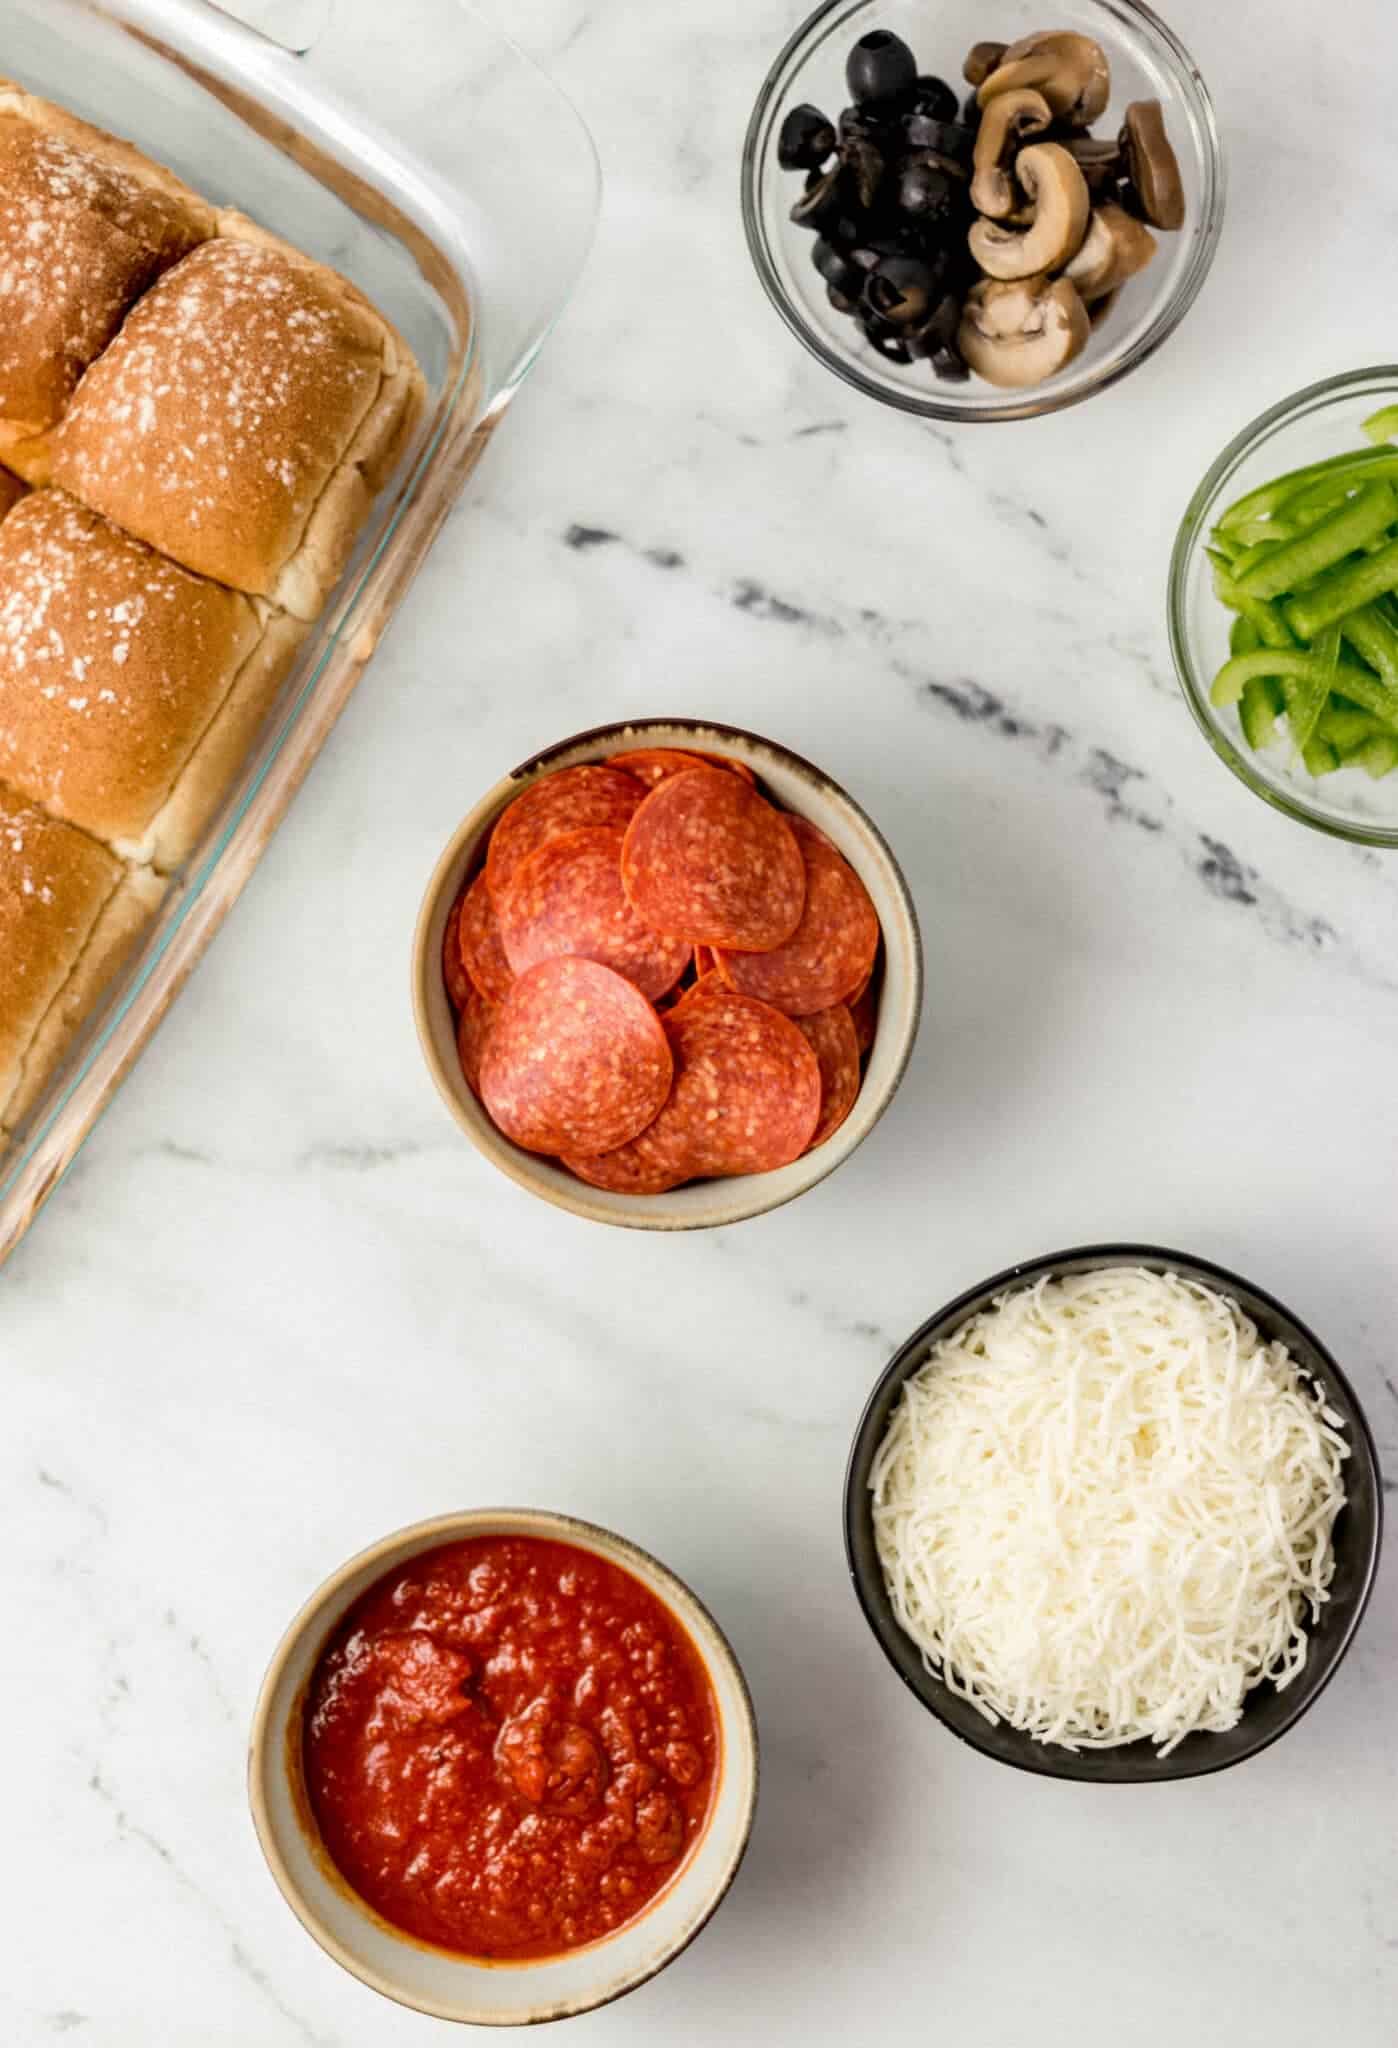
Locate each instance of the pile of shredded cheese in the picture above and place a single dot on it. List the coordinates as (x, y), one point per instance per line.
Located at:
(1104, 1507)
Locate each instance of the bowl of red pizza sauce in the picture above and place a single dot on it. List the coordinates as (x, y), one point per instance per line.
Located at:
(503, 1766)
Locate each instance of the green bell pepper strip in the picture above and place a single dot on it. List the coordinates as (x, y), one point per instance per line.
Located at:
(1282, 569)
(1267, 498)
(1261, 705)
(1383, 424)
(1343, 590)
(1297, 662)
(1374, 638)
(1346, 727)
(1327, 493)
(1272, 628)
(1377, 756)
(1243, 636)
(1320, 758)
(1312, 694)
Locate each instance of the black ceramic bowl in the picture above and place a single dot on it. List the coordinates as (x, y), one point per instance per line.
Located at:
(1267, 1712)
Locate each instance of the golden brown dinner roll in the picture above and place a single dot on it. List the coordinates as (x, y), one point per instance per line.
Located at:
(244, 418)
(12, 489)
(130, 691)
(86, 225)
(69, 913)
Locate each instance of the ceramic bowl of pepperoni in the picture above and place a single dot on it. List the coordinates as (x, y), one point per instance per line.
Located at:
(667, 975)
(503, 1766)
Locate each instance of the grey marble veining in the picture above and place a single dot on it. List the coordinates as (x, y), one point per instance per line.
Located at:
(279, 1307)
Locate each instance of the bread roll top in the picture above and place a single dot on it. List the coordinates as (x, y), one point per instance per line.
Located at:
(86, 225)
(113, 663)
(222, 410)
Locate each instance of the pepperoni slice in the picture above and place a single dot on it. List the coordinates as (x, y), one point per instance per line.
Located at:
(864, 1012)
(709, 859)
(831, 1036)
(453, 972)
(736, 767)
(649, 1165)
(831, 950)
(482, 949)
(473, 1028)
(567, 898)
(576, 1061)
(652, 764)
(563, 802)
(746, 1098)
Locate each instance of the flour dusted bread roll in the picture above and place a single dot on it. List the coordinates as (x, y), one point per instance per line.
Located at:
(87, 223)
(244, 419)
(130, 690)
(70, 912)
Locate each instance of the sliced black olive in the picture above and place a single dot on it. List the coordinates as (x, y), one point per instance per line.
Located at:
(926, 193)
(948, 138)
(900, 290)
(823, 199)
(935, 97)
(880, 67)
(891, 236)
(938, 330)
(868, 124)
(836, 268)
(947, 364)
(867, 164)
(838, 300)
(806, 139)
(889, 346)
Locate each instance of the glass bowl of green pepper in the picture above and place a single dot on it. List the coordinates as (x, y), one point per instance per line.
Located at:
(1283, 606)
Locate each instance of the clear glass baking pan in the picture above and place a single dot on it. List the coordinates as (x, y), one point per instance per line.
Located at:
(398, 143)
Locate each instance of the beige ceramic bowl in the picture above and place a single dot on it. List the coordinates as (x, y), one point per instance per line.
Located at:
(799, 787)
(433, 1980)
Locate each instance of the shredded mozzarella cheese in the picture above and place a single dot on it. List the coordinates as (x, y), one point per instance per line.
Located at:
(1104, 1508)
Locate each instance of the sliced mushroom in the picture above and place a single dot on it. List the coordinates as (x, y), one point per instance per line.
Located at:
(1071, 71)
(1151, 164)
(1099, 160)
(1014, 334)
(1114, 248)
(1008, 119)
(1059, 197)
(981, 60)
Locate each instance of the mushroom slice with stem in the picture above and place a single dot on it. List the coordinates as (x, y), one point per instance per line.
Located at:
(1114, 248)
(1152, 166)
(1009, 118)
(1058, 194)
(981, 60)
(1071, 71)
(1015, 334)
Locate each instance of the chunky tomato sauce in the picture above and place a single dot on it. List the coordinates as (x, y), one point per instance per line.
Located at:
(510, 1745)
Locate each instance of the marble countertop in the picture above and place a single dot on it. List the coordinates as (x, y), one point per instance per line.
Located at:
(281, 1308)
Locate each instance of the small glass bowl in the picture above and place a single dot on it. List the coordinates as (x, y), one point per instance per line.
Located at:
(1147, 62)
(1324, 419)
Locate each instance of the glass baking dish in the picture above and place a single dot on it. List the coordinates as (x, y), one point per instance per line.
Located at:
(389, 142)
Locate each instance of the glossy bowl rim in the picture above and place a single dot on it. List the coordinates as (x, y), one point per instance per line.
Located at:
(641, 1212)
(456, 1525)
(1190, 538)
(940, 404)
(1039, 1759)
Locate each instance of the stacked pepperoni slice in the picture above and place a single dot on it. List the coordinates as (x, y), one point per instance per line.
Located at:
(659, 976)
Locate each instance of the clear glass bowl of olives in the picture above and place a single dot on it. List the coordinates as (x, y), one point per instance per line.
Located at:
(872, 132)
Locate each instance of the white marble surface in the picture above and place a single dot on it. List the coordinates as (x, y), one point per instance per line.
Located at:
(281, 1308)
